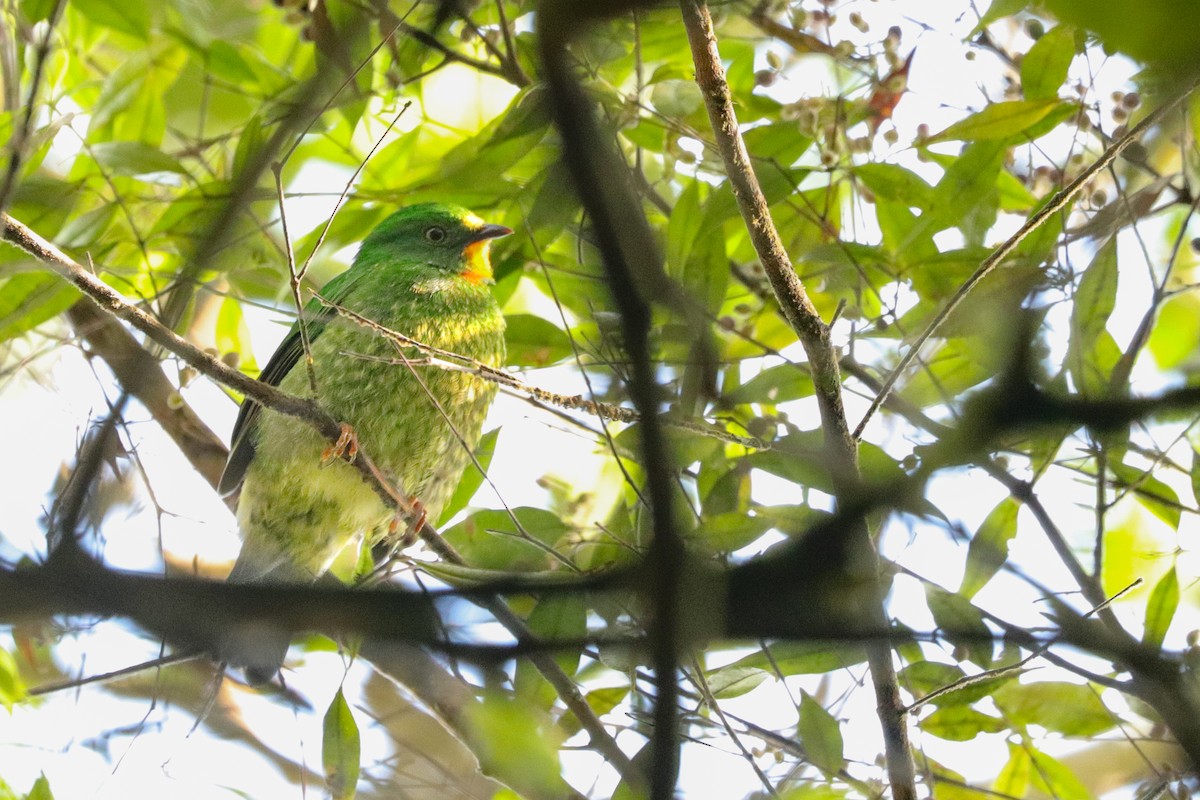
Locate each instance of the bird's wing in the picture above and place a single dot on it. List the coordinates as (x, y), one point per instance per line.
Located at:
(286, 356)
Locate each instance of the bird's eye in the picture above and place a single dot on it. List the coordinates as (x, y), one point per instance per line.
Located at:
(435, 234)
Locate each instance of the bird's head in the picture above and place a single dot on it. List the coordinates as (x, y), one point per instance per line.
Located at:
(446, 237)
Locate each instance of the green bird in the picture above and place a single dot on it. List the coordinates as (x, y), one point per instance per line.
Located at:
(424, 272)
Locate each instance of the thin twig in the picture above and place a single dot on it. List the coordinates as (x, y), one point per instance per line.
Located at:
(445, 359)
(41, 54)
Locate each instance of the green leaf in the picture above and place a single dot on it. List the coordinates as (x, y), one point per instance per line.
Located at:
(490, 540)
(801, 658)
(676, 98)
(340, 749)
(134, 158)
(30, 298)
(1175, 337)
(1054, 779)
(85, 229)
(989, 547)
(1162, 32)
(820, 734)
(779, 142)
(12, 688)
(35, 11)
(1067, 708)
(515, 739)
(925, 677)
(734, 681)
(1158, 498)
(961, 623)
(894, 182)
(130, 18)
(1160, 609)
(960, 723)
(472, 477)
(40, 790)
(1195, 475)
(1001, 120)
(1013, 780)
(534, 342)
(733, 530)
(1044, 68)
(774, 385)
(999, 9)
(1088, 354)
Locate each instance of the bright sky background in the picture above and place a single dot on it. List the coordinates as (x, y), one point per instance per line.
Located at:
(166, 760)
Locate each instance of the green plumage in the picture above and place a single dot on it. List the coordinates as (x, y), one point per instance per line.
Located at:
(423, 272)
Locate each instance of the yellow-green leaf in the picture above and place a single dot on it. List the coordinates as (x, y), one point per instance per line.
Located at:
(1160, 608)
(340, 749)
(1044, 68)
(1000, 120)
(820, 734)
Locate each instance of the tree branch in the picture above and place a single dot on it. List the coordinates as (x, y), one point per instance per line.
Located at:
(857, 556)
(632, 263)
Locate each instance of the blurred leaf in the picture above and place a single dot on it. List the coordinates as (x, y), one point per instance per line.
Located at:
(1067, 708)
(960, 723)
(84, 230)
(1158, 498)
(534, 342)
(802, 658)
(12, 688)
(820, 735)
(779, 142)
(40, 790)
(134, 158)
(340, 749)
(999, 9)
(1162, 32)
(724, 533)
(1195, 475)
(1175, 337)
(1160, 609)
(1002, 120)
(961, 623)
(518, 741)
(490, 540)
(35, 11)
(989, 546)
(30, 298)
(894, 182)
(774, 385)
(130, 18)
(1088, 354)
(1044, 67)
(733, 681)
(676, 98)
(1136, 547)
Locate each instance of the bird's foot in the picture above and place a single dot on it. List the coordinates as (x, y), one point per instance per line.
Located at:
(346, 446)
(406, 525)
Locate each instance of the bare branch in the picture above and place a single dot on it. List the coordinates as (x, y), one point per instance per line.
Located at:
(855, 552)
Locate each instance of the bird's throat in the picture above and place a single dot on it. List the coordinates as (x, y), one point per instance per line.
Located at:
(478, 262)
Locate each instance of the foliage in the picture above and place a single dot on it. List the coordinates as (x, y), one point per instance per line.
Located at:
(189, 153)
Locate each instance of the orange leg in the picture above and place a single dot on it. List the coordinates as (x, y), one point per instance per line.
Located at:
(346, 445)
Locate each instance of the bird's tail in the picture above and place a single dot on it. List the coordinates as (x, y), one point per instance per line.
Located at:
(258, 648)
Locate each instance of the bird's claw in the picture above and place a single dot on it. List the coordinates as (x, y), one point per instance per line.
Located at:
(412, 521)
(346, 445)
